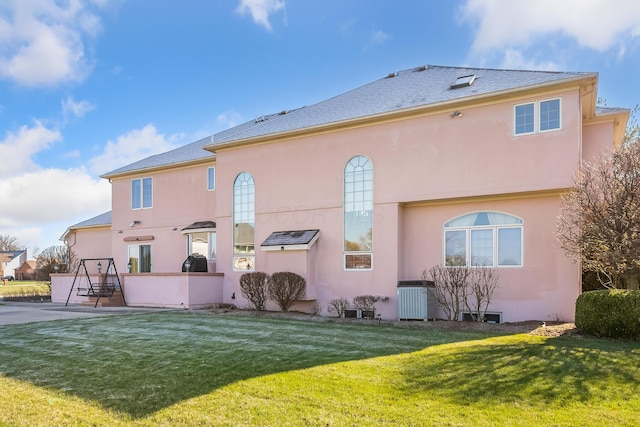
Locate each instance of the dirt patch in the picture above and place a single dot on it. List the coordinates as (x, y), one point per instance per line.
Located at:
(532, 327)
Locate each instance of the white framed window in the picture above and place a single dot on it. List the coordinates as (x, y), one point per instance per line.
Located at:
(211, 178)
(488, 239)
(358, 214)
(549, 115)
(538, 116)
(244, 253)
(139, 258)
(202, 243)
(141, 193)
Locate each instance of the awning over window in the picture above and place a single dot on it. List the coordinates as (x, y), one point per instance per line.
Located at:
(199, 227)
(290, 240)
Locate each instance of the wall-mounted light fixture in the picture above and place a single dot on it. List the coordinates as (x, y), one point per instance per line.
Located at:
(134, 223)
(455, 114)
(175, 228)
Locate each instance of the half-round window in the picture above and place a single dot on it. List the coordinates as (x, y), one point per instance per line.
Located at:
(483, 239)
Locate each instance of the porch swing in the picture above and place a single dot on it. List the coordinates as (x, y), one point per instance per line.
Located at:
(108, 283)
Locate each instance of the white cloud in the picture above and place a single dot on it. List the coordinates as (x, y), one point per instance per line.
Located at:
(77, 109)
(516, 59)
(260, 10)
(228, 119)
(379, 37)
(38, 204)
(133, 146)
(43, 42)
(17, 149)
(595, 24)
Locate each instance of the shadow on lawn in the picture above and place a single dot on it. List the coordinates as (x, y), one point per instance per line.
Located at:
(553, 371)
(139, 364)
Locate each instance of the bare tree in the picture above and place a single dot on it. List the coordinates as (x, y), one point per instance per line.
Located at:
(9, 243)
(599, 221)
(450, 288)
(463, 288)
(55, 256)
(285, 288)
(253, 287)
(482, 284)
(338, 306)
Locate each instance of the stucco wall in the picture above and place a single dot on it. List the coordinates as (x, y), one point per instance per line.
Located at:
(544, 288)
(425, 159)
(180, 198)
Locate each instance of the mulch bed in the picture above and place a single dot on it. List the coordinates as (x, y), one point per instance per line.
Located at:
(532, 327)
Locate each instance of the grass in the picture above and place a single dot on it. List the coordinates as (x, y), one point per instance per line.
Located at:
(16, 288)
(184, 368)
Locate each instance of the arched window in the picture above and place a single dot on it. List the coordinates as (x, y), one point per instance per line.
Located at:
(358, 214)
(483, 239)
(243, 222)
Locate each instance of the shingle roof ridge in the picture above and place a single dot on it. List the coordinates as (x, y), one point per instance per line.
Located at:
(257, 123)
(460, 67)
(101, 219)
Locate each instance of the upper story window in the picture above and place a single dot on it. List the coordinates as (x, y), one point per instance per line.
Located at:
(358, 214)
(539, 116)
(141, 193)
(486, 239)
(244, 222)
(211, 178)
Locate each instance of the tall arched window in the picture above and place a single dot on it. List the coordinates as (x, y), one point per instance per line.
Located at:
(358, 213)
(243, 222)
(483, 239)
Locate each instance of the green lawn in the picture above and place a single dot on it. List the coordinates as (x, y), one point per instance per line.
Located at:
(17, 288)
(185, 368)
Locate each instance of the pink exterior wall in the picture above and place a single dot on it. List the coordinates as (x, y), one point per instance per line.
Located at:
(544, 288)
(180, 198)
(90, 242)
(597, 139)
(420, 159)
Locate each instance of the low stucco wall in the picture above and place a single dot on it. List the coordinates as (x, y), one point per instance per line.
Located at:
(61, 285)
(188, 290)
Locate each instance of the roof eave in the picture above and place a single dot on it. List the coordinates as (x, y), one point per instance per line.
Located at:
(149, 169)
(588, 79)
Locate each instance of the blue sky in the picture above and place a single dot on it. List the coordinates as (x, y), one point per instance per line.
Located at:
(87, 86)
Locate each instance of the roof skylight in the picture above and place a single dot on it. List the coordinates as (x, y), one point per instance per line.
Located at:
(463, 81)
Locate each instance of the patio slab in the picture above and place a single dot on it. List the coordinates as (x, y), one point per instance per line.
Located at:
(12, 313)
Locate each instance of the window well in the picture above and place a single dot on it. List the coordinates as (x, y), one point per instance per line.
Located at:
(463, 81)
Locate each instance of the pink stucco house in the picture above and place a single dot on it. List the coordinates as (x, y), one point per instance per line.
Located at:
(431, 165)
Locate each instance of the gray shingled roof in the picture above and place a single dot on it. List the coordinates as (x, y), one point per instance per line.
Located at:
(96, 221)
(406, 89)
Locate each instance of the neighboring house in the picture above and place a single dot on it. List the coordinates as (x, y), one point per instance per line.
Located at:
(10, 261)
(432, 165)
(27, 270)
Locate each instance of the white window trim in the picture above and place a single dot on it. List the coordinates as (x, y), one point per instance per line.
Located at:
(345, 253)
(137, 245)
(536, 116)
(467, 249)
(189, 235)
(559, 115)
(344, 261)
(142, 206)
(209, 187)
